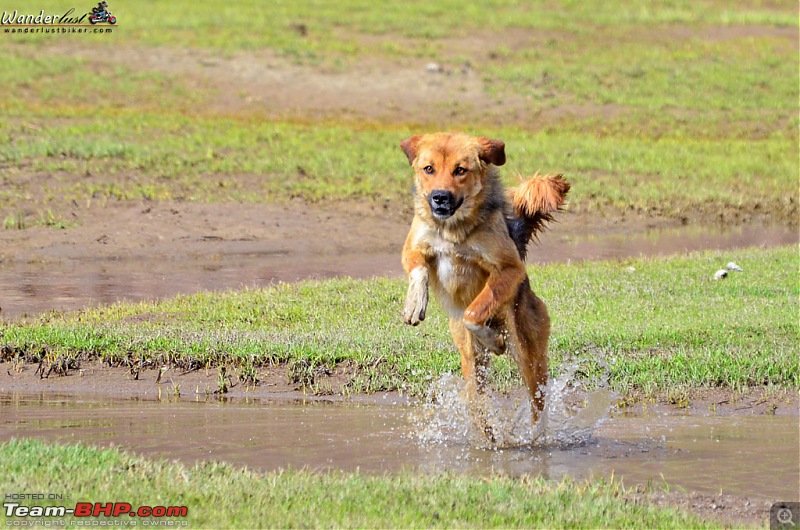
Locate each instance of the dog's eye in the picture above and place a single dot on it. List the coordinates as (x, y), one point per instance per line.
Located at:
(459, 171)
(428, 170)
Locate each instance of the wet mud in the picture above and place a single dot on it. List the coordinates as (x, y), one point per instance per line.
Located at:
(145, 252)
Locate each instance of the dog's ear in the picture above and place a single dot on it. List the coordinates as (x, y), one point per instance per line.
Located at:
(409, 147)
(492, 151)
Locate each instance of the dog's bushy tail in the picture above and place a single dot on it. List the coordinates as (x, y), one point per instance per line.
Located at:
(533, 202)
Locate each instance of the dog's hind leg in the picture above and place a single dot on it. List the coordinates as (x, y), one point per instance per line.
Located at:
(475, 359)
(530, 324)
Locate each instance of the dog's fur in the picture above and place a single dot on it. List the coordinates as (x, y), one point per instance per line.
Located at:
(468, 243)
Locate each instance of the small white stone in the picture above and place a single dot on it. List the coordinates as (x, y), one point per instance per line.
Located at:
(731, 266)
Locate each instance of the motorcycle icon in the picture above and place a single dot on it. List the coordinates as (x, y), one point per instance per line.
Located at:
(101, 13)
(102, 16)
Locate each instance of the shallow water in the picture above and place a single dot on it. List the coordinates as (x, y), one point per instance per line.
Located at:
(754, 456)
(29, 288)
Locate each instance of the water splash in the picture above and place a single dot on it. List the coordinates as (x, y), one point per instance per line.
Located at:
(571, 415)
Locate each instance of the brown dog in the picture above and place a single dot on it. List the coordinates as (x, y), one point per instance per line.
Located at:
(468, 244)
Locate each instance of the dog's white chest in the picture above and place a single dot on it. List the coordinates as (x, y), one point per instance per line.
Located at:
(456, 275)
(446, 272)
(448, 262)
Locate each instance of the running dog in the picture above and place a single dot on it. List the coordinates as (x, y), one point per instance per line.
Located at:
(468, 242)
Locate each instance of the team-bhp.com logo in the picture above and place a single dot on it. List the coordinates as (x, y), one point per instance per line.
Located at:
(145, 515)
(68, 22)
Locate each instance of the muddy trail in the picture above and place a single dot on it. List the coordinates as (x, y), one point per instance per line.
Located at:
(143, 251)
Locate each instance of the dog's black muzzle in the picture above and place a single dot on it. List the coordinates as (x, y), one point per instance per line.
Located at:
(443, 203)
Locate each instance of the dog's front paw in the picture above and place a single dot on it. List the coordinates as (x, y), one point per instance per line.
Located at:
(417, 297)
(490, 338)
(414, 310)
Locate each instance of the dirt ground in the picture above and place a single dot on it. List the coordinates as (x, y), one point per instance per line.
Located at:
(94, 377)
(729, 510)
(150, 250)
(406, 90)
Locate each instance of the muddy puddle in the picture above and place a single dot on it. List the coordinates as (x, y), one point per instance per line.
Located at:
(752, 456)
(78, 281)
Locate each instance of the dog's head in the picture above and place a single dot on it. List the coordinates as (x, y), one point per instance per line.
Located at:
(450, 170)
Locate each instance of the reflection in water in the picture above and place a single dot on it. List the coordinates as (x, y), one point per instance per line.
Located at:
(754, 456)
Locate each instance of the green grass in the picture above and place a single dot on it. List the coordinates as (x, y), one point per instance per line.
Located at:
(248, 160)
(666, 325)
(685, 121)
(696, 75)
(335, 28)
(221, 496)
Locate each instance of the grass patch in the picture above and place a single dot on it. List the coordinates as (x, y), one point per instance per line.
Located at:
(14, 221)
(334, 29)
(694, 74)
(666, 325)
(702, 99)
(219, 495)
(218, 159)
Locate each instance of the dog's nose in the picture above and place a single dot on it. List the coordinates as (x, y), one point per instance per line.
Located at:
(443, 203)
(442, 197)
